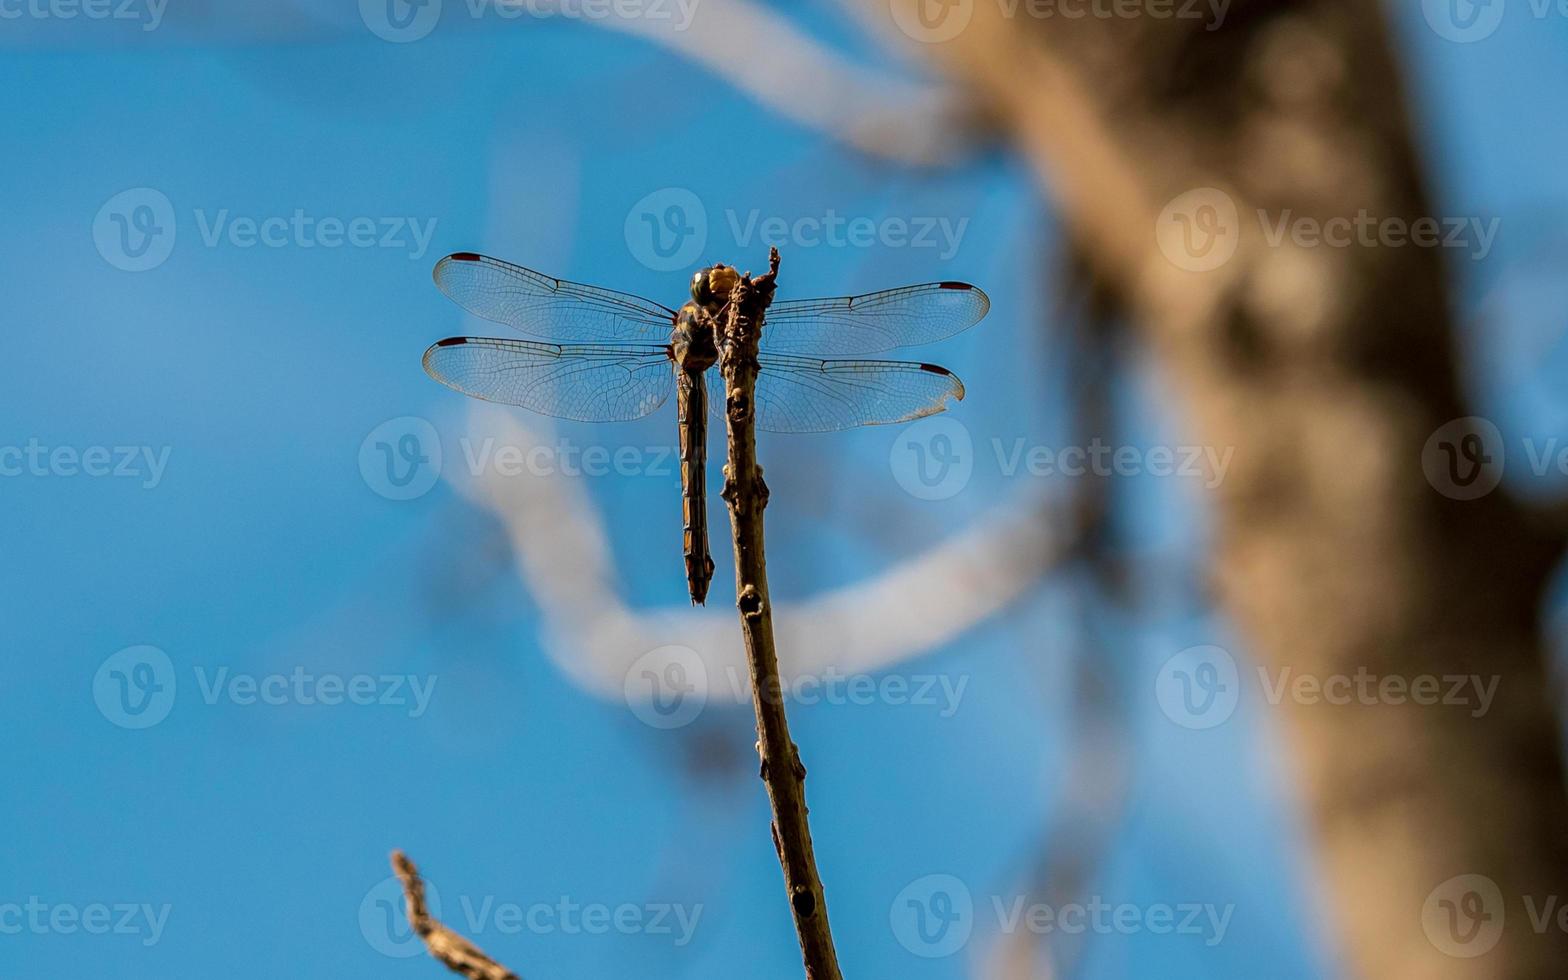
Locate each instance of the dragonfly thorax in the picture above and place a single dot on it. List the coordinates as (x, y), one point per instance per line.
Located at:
(692, 343)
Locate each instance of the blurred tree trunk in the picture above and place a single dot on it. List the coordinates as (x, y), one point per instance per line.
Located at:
(1327, 369)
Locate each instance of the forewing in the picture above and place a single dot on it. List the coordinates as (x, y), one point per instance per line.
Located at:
(587, 383)
(904, 317)
(806, 394)
(550, 309)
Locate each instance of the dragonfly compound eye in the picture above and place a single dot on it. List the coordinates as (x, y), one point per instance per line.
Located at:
(699, 287)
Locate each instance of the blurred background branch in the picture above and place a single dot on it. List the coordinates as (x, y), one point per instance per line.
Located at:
(561, 549)
(1327, 371)
(919, 123)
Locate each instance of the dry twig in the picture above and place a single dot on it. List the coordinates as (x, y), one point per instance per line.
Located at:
(460, 955)
(747, 496)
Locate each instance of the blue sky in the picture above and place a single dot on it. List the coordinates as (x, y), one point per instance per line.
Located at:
(252, 837)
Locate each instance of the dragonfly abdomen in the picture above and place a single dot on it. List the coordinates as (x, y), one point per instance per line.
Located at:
(691, 400)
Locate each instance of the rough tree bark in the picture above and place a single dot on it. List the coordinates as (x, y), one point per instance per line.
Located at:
(1327, 369)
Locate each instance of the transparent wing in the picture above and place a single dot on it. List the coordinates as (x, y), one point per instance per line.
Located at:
(904, 317)
(550, 309)
(805, 394)
(592, 383)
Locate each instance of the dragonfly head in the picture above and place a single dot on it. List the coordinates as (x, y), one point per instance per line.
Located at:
(711, 287)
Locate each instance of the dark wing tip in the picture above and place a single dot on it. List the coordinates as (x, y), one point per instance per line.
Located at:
(435, 273)
(939, 370)
(429, 359)
(984, 300)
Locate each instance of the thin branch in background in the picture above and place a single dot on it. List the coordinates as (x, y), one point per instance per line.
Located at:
(913, 123)
(747, 497)
(1096, 783)
(460, 955)
(563, 555)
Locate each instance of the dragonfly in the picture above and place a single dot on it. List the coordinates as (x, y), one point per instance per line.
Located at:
(598, 355)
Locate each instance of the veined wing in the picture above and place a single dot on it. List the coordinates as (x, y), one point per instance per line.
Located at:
(806, 394)
(904, 317)
(550, 309)
(588, 383)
